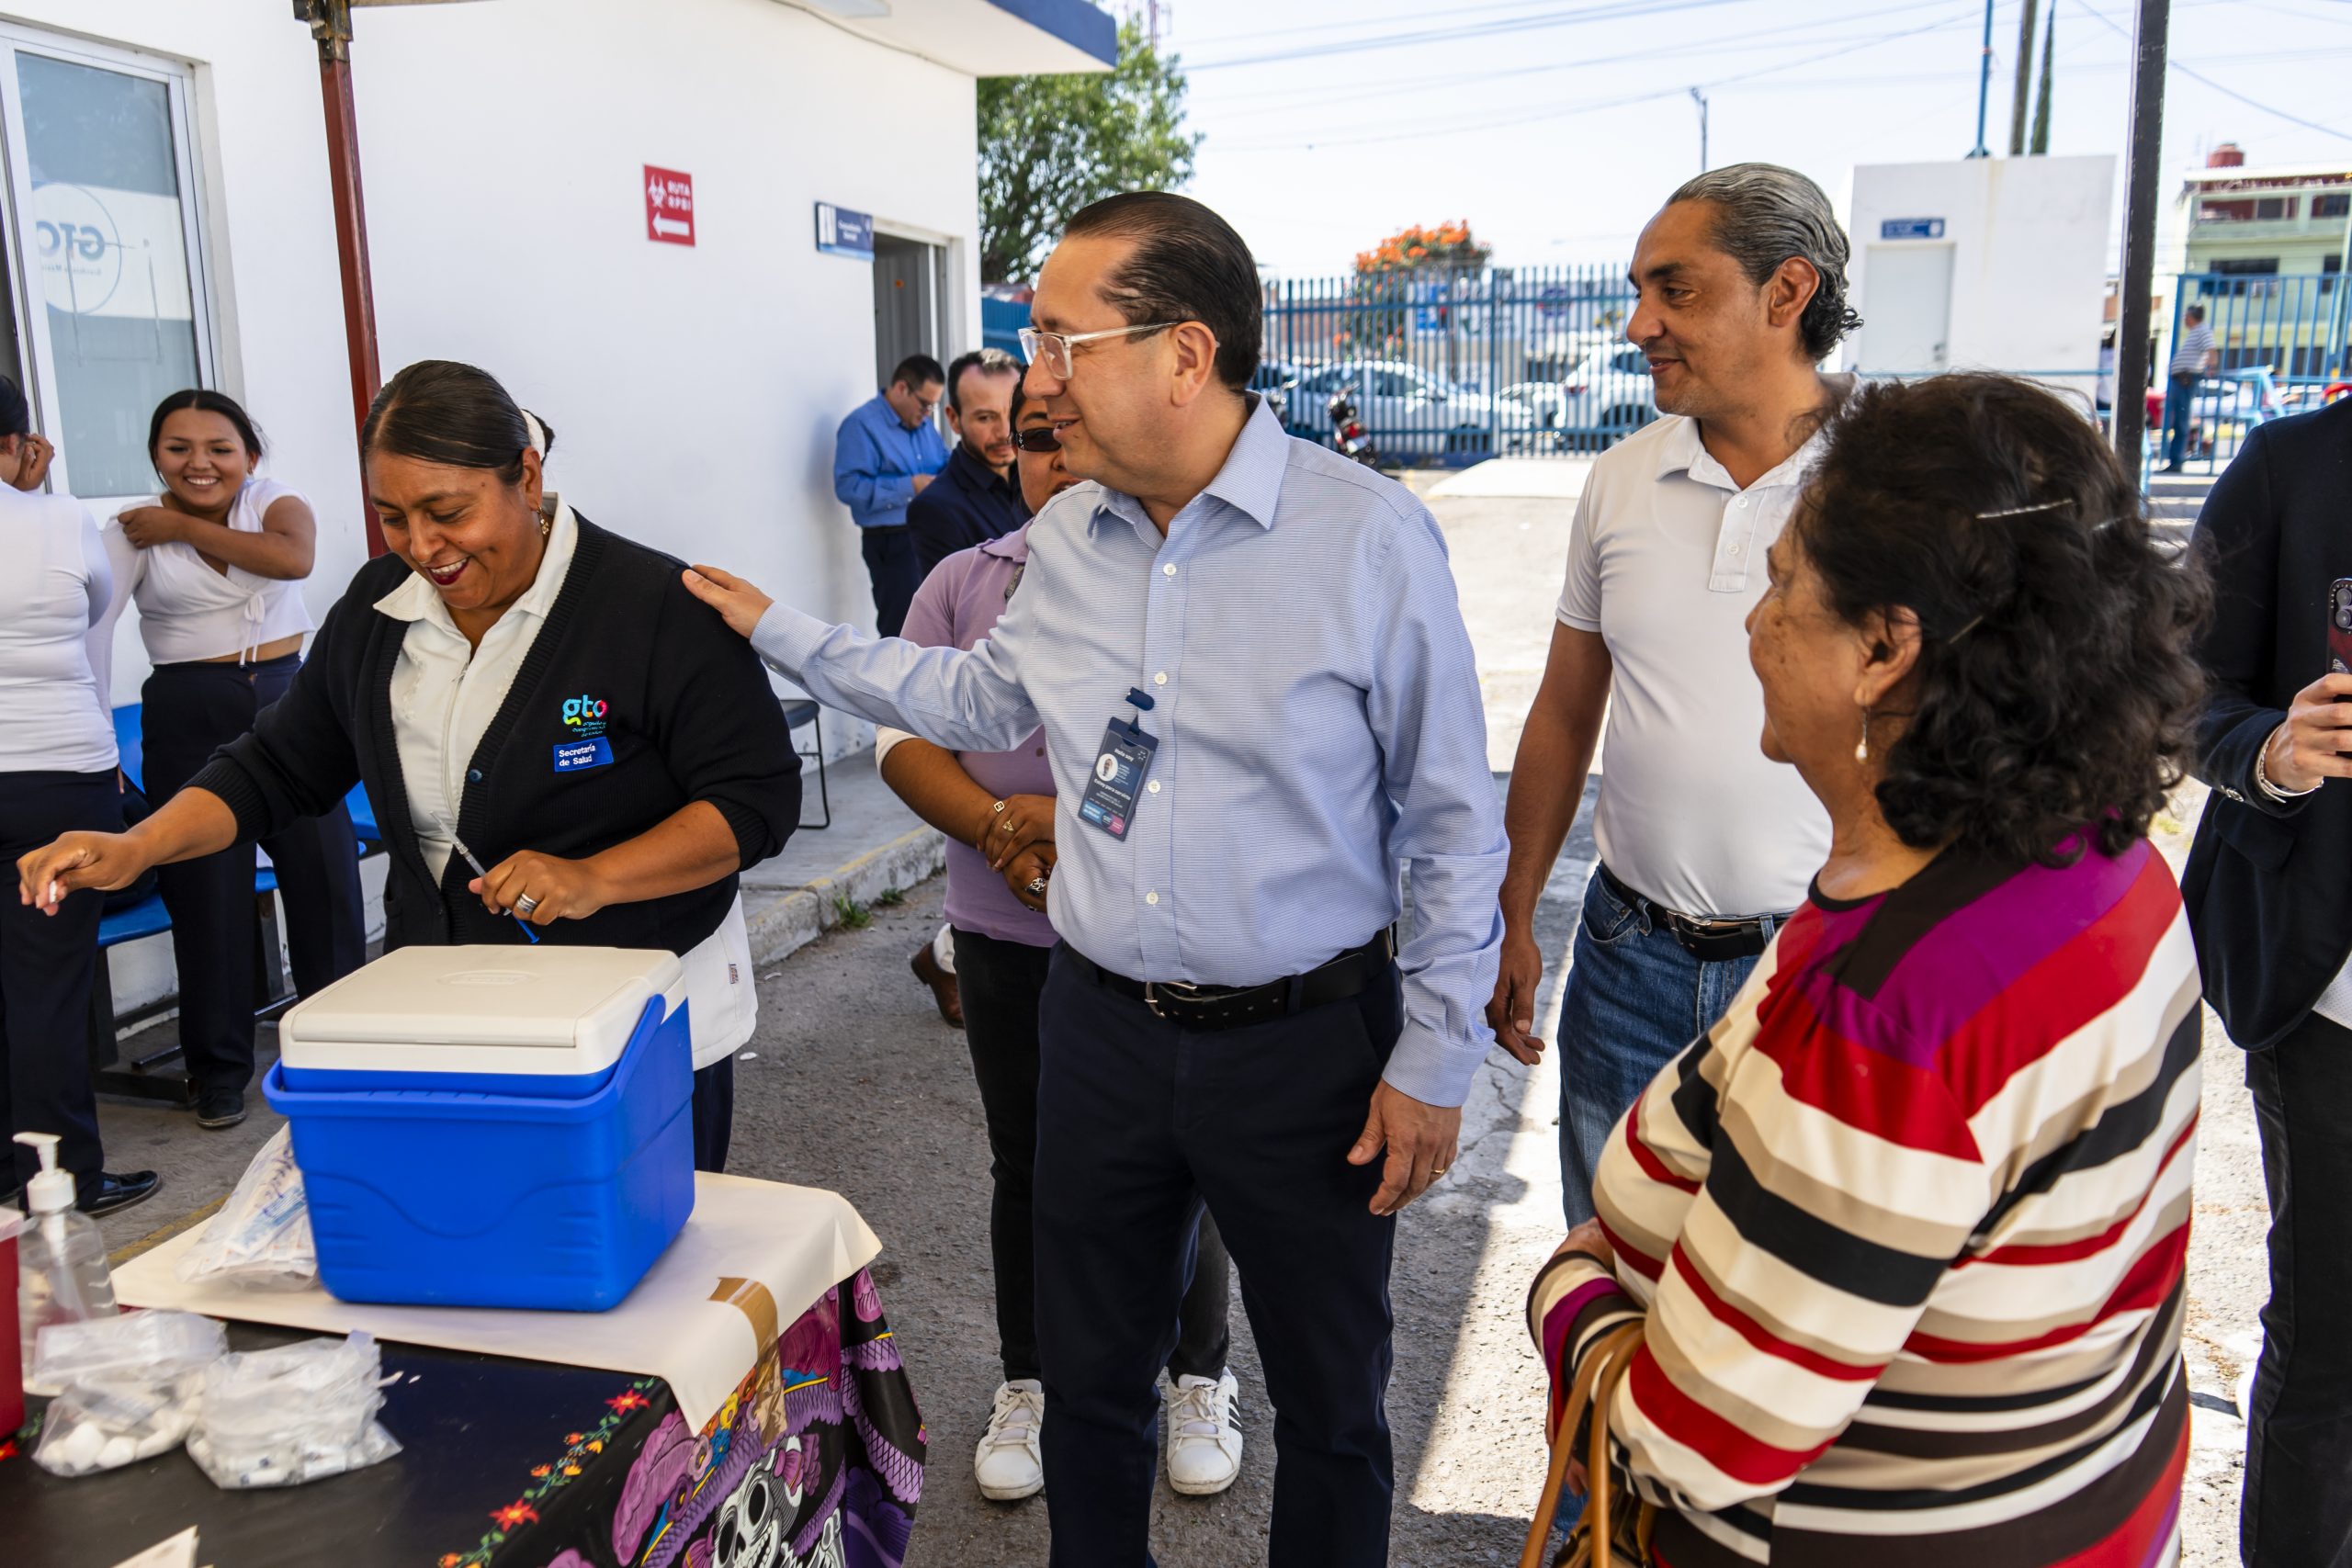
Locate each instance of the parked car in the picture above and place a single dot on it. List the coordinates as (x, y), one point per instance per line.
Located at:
(1608, 397)
(1276, 380)
(1410, 414)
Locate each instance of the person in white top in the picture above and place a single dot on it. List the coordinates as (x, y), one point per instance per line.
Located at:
(57, 774)
(216, 565)
(1704, 844)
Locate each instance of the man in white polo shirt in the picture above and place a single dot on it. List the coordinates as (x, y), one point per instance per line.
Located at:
(1704, 843)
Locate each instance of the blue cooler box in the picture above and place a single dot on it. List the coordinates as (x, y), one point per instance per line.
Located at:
(492, 1126)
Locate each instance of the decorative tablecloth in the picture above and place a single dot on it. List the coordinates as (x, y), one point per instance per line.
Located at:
(816, 1459)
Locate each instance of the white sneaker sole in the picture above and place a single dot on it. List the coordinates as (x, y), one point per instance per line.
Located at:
(1014, 1494)
(1204, 1488)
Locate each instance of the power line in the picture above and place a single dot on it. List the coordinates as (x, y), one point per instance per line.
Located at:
(1731, 42)
(1618, 10)
(2194, 75)
(1518, 118)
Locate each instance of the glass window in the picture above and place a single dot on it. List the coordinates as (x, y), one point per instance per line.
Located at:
(2333, 204)
(108, 233)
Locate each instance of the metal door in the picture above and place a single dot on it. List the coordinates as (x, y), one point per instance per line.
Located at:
(905, 303)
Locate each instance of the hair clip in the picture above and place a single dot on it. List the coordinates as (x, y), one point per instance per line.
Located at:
(2026, 510)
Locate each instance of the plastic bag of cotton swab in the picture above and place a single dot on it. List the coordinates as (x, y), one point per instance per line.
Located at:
(129, 1387)
(284, 1416)
(261, 1237)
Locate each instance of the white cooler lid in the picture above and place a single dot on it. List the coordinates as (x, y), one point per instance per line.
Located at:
(482, 1009)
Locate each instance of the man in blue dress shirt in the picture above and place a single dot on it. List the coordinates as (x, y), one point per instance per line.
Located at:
(884, 456)
(1258, 698)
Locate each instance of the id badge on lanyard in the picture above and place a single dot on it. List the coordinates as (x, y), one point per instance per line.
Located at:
(1120, 768)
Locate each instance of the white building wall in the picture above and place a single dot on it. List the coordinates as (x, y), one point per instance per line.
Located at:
(694, 391)
(2028, 238)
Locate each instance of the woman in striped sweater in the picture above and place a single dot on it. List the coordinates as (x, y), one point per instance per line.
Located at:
(1906, 1228)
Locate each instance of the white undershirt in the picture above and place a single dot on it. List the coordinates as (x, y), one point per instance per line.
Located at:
(445, 694)
(55, 637)
(187, 610)
(1666, 558)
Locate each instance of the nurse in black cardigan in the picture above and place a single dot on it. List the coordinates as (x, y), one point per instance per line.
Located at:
(514, 682)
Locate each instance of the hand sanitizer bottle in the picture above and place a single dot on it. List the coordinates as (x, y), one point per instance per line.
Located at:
(60, 1257)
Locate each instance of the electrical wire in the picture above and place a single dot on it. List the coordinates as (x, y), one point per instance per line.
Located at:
(1518, 118)
(2194, 75)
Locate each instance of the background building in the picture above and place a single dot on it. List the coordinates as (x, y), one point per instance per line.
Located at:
(166, 221)
(2263, 249)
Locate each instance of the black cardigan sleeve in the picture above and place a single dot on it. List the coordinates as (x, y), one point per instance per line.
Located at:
(297, 759)
(722, 732)
(2237, 541)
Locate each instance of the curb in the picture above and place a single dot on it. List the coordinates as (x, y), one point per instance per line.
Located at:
(785, 922)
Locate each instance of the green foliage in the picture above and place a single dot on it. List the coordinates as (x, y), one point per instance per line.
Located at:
(851, 915)
(889, 897)
(1051, 144)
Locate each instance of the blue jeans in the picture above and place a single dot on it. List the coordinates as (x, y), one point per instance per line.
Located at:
(2180, 397)
(1634, 999)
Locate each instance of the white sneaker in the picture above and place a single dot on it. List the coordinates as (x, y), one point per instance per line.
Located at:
(1204, 1443)
(1008, 1463)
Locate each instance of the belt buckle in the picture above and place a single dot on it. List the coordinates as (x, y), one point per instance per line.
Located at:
(1176, 990)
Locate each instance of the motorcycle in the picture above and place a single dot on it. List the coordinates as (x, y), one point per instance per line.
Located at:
(1349, 437)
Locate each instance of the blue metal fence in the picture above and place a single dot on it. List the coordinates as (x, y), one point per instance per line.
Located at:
(2281, 347)
(1458, 366)
(1455, 367)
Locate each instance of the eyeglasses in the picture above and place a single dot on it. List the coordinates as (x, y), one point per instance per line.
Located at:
(1038, 438)
(1052, 349)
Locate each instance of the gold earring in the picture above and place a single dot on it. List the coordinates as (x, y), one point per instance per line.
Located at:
(1862, 748)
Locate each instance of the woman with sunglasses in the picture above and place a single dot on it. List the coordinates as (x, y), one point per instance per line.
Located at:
(997, 809)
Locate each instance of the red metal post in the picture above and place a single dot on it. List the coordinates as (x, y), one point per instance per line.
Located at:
(331, 25)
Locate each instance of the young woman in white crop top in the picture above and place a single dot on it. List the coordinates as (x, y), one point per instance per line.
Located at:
(57, 774)
(216, 565)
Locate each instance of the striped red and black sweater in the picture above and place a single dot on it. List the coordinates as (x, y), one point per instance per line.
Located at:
(1909, 1227)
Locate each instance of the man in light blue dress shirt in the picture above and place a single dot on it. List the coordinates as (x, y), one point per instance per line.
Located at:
(1258, 698)
(885, 452)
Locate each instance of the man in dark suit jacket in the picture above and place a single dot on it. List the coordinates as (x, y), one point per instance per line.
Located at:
(2270, 893)
(976, 499)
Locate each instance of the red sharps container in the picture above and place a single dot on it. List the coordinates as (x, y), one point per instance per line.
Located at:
(12, 1373)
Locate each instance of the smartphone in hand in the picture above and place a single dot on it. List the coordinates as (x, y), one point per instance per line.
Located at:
(2339, 626)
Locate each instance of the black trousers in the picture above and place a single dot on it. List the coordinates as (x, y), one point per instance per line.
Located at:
(1002, 983)
(713, 1112)
(191, 711)
(1139, 1123)
(896, 570)
(45, 967)
(2298, 1504)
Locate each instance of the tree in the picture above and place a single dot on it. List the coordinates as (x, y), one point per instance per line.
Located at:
(1051, 144)
(1387, 292)
(1445, 247)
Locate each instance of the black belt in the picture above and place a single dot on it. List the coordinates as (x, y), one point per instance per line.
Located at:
(1709, 941)
(1205, 1009)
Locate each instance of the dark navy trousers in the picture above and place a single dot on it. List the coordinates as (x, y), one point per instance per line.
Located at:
(1139, 1123)
(192, 710)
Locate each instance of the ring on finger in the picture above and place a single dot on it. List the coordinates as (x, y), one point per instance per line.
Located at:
(526, 905)
(1037, 885)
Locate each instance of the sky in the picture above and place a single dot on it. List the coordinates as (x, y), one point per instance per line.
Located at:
(1557, 127)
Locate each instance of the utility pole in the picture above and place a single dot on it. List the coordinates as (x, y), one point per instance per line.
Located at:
(2040, 145)
(1984, 85)
(1700, 99)
(2025, 78)
(2149, 38)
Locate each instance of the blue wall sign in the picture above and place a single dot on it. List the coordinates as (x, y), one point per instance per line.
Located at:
(1911, 228)
(841, 232)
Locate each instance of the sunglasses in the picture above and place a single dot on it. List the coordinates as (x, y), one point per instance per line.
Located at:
(1038, 438)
